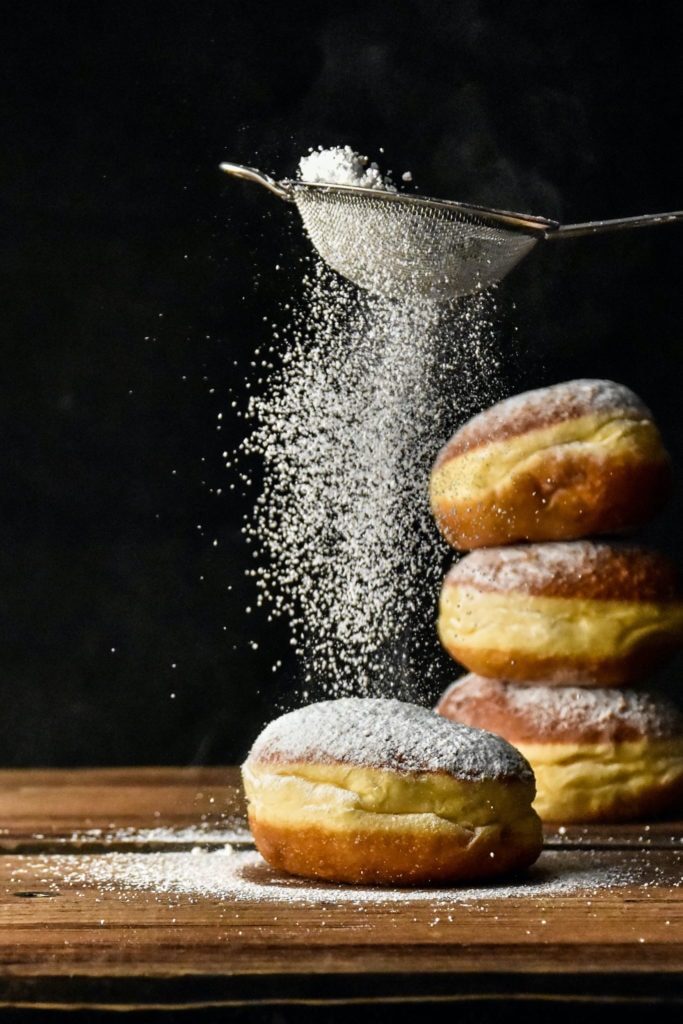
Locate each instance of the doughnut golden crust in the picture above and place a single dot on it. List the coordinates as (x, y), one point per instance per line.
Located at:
(571, 460)
(598, 755)
(380, 792)
(566, 613)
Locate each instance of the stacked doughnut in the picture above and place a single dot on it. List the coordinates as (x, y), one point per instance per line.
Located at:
(558, 623)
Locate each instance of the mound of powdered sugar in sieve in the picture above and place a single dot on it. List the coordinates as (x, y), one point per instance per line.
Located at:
(340, 165)
(363, 394)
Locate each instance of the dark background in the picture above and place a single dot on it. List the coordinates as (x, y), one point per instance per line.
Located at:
(138, 281)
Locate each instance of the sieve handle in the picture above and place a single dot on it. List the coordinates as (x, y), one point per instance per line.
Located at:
(596, 227)
(251, 174)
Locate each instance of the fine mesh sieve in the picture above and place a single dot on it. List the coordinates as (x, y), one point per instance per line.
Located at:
(404, 246)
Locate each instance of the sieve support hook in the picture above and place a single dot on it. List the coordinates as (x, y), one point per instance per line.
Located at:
(251, 174)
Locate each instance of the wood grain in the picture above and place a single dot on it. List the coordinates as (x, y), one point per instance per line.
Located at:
(67, 938)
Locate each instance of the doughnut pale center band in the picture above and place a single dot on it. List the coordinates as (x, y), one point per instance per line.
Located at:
(585, 781)
(557, 626)
(485, 468)
(344, 798)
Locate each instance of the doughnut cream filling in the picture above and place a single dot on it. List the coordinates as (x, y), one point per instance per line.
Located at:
(557, 626)
(582, 781)
(490, 466)
(346, 798)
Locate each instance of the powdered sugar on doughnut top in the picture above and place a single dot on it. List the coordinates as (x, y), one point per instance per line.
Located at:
(340, 165)
(589, 569)
(538, 713)
(584, 394)
(390, 735)
(533, 567)
(532, 410)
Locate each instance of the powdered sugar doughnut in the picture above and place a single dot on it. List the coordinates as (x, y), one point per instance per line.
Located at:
(378, 791)
(571, 460)
(568, 613)
(597, 754)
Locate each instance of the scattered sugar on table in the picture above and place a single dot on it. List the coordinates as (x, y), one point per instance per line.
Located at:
(236, 876)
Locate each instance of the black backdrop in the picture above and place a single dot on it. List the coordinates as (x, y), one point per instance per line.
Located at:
(138, 280)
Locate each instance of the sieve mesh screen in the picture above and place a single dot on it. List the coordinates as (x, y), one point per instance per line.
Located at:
(416, 250)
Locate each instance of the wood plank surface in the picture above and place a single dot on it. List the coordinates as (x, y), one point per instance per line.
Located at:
(140, 887)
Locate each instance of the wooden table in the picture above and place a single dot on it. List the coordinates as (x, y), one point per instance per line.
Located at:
(102, 907)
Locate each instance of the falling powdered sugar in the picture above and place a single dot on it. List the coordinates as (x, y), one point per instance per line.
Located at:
(346, 429)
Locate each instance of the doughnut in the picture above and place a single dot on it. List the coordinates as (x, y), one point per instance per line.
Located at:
(597, 754)
(377, 791)
(576, 612)
(572, 460)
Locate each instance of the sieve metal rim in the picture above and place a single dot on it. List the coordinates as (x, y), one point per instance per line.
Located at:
(287, 188)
